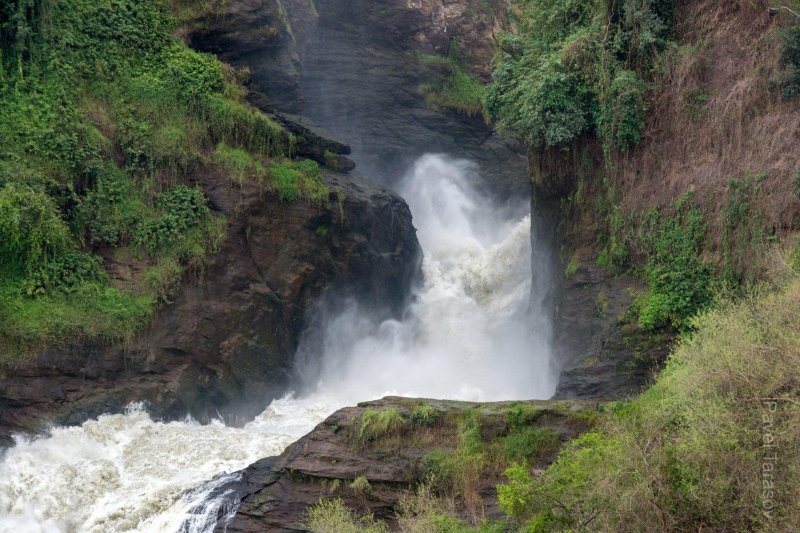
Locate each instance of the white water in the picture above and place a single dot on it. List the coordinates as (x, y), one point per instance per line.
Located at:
(468, 336)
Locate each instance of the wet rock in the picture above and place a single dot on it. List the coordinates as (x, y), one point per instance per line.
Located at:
(275, 493)
(224, 346)
(605, 353)
(353, 67)
(312, 141)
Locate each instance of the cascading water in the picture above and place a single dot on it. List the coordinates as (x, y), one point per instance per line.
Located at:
(471, 334)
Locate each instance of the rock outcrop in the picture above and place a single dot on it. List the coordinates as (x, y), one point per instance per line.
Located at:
(274, 493)
(226, 342)
(354, 68)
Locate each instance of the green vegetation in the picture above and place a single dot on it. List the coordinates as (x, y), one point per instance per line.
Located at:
(578, 68)
(797, 183)
(571, 268)
(376, 425)
(695, 451)
(239, 165)
(452, 87)
(293, 180)
(424, 415)
(789, 82)
(679, 279)
(105, 121)
(361, 485)
(456, 473)
(744, 230)
(529, 443)
(333, 516)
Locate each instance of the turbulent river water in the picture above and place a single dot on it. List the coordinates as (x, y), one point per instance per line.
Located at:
(473, 332)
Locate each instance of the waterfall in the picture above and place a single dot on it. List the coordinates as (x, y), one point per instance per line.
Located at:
(475, 330)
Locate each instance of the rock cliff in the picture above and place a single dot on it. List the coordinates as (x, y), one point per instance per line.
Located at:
(225, 343)
(274, 493)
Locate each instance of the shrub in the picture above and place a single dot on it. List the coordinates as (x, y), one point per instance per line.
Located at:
(66, 273)
(242, 126)
(789, 82)
(441, 466)
(678, 278)
(333, 516)
(361, 486)
(423, 512)
(689, 453)
(163, 278)
(521, 415)
(238, 164)
(32, 231)
(621, 120)
(530, 443)
(516, 497)
(111, 209)
(424, 415)
(195, 76)
(181, 208)
(575, 68)
(452, 87)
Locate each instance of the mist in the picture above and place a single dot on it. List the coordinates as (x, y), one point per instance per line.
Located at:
(469, 333)
(474, 330)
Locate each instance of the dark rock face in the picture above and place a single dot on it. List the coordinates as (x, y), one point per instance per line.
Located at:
(605, 354)
(352, 68)
(273, 494)
(225, 344)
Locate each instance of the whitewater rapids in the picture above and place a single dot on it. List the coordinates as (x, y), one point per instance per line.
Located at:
(472, 333)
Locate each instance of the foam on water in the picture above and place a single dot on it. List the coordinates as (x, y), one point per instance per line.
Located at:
(468, 335)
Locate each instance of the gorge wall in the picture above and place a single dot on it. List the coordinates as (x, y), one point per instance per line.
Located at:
(224, 345)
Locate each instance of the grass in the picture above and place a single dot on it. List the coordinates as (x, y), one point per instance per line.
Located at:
(361, 485)
(530, 443)
(452, 87)
(238, 165)
(295, 180)
(374, 425)
(90, 312)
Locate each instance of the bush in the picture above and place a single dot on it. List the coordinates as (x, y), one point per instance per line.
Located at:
(548, 108)
(424, 415)
(529, 443)
(333, 516)
(66, 273)
(621, 120)
(521, 415)
(238, 164)
(196, 76)
(32, 232)
(575, 69)
(181, 208)
(690, 453)
(111, 209)
(678, 278)
(452, 87)
(242, 126)
(789, 82)
(361, 486)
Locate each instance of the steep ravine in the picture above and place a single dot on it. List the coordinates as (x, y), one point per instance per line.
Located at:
(224, 347)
